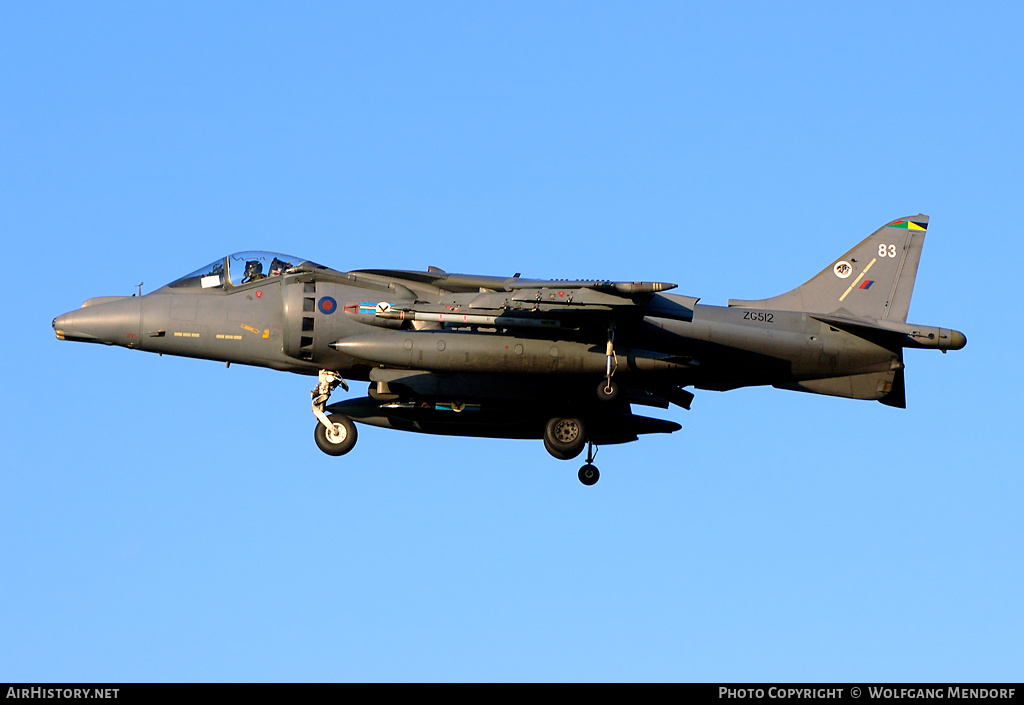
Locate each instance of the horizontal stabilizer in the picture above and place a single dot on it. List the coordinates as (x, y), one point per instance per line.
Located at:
(894, 333)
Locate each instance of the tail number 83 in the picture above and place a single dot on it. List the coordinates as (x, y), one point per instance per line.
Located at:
(886, 250)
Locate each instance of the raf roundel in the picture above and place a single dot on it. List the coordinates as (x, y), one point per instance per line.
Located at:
(327, 305)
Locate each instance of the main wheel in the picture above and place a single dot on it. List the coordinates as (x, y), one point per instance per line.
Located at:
(564, 437)
(337, 440)
(589, 474)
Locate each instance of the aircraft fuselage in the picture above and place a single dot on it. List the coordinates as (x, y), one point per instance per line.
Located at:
(508, 357)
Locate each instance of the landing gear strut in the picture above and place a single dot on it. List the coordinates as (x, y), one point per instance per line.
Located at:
(334, 434)
(588, 473)
(607, 389)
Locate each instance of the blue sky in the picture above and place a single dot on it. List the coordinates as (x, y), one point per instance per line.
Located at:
(171, 520)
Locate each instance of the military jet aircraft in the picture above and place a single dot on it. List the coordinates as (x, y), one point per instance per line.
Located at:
(507, 357)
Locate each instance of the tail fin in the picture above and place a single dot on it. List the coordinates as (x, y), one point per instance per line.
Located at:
(874, 280)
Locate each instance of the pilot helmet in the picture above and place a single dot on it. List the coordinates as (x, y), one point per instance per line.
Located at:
(253, 268)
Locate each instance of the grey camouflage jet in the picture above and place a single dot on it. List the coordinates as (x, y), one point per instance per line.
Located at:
(507, 357)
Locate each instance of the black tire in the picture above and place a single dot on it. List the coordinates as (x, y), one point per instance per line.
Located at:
(565, 437)
(607, 390)
(338, 442)
(589, 475)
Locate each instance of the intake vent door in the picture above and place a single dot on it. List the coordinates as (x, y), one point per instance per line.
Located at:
(299, 299)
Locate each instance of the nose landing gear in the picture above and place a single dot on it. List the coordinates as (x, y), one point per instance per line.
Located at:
(334, 434)
(338, 438)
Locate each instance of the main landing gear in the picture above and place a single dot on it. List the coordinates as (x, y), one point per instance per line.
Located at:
(334, 434)
(564, 438)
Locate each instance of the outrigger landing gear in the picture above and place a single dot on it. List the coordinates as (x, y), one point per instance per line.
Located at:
(607, 389)
(334, 434)
(588, 473)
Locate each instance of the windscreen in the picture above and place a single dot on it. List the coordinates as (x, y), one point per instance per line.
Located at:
(208, 277)
(242, 268)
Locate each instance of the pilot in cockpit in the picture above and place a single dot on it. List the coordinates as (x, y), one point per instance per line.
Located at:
(253, 271)
(277, 267)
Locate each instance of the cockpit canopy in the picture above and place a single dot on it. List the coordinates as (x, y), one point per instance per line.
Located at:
(237, 269)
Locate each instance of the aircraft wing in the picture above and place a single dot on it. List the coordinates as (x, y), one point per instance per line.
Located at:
(466, 299)
(464, 283)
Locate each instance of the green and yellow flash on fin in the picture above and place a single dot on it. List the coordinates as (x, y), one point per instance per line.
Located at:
(908, 225)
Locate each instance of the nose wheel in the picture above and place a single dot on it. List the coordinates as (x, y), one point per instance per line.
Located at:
(334, 434)
(588, 473)
(338, 438)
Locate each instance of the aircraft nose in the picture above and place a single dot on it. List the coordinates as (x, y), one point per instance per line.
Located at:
(70, 326)
(108, 320)
(62, 324)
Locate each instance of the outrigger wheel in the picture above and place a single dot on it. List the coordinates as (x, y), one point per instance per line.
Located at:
(607, 390)
(588, 473)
